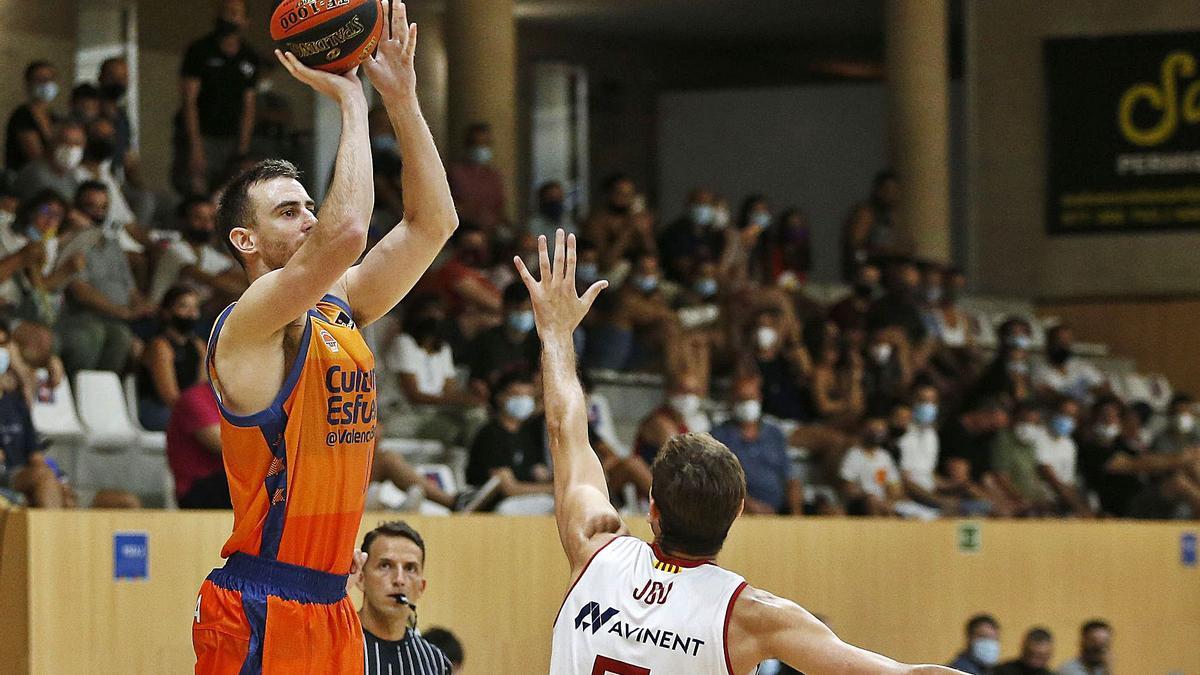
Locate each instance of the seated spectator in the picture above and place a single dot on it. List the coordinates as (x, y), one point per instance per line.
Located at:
(392, 467)
(787, 251)
(1057, 458)
(1065, 374)
(919, 447)
(1008, 376)
(837, 384)
(1095, 647)
(113, 80)
(471, 299)
(680, 413)
(198, 260)
(478, 186)
(85, 103)
(96, 165)
(173, 359)
(871, 483)
(965, 444)
(1015, 464)
(621, 227)
(194, 450)
(511, 347)
(898, 307)
(512, 451)
(772, 484)
(691, 238)
(440, 407)
(784, 366)
(983, 646)
(102, 301)
(23, 467)
(889, 367)
(93, 200)
(446, 641)
(55, 170)
(30, 127)
(552, 215)
(1037, 650)
(850, 313)
(951, 325)
(1181, 433)
(742, 255)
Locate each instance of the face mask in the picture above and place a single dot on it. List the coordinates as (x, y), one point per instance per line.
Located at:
(986, 650)
(587, 273)
(196, 236)
(720, 218)
(480, 154)
(1058, 355)
(925, 414)
(685, 404)
(183, 324)
(519, 407)
(99, 149)
(225, 28)
(747, 411)
(45, 91)
(706, 288)
(703, 214)
(1020, 341)
(112, 92)
(68, 156)
(1185, 423)
(766, 337)
(1107, 432)
(881, 353)
(1026, 432)
(1062, 426)
(1018, 367)
(760, 219)
(383, 143)
(933, 294)
(5, 360)
(522, 322)
(646, 284)
(552, 210)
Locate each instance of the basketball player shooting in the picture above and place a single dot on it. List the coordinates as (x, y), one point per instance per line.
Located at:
(663, 608)
(296, 381)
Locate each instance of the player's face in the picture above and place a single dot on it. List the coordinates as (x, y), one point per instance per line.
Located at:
(394, 566)
(284, 215)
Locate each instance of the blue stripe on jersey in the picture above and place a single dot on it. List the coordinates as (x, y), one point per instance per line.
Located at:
(255, 609)
(276, 486)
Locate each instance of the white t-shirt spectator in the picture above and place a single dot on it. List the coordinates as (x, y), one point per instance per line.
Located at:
(431, 370)
(1077, 382)
(919, 448)
(1059, 453)
(180, 255)
(873, 471)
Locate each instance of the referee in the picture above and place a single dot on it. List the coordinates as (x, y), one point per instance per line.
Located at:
(392, 581)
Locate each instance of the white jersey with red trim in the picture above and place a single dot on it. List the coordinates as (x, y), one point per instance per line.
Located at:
(634, 611)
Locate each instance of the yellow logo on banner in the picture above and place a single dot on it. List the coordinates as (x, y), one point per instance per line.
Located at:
(1165, 98)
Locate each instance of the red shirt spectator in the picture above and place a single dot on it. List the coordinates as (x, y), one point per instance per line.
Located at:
(194, 442)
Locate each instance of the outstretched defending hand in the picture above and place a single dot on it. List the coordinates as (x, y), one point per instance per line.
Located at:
(557, 307)
(391, 69)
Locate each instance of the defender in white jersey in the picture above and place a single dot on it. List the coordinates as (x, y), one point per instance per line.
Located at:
(662, 609)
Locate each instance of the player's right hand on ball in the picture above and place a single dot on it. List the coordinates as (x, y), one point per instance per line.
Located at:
(557, 306)
(340, 88)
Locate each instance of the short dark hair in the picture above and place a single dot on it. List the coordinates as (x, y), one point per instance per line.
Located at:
(393, 528)
(1095, 624)
(546, 187)
(699, 487)
(27, 208)
(612, 180)
(33, 66)
(85, 90)
(1038, 634)
(515, 294)
(444, 640)
(234, 210)
(1182, 398)
(981, 620)
(188, 202)
(89, 186)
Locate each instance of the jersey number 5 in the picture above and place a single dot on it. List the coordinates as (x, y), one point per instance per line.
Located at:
(607, 666)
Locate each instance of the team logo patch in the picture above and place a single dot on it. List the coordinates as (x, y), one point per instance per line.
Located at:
(591, 617)
(329, 341)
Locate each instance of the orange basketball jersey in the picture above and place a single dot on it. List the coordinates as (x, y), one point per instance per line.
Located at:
(298, 471)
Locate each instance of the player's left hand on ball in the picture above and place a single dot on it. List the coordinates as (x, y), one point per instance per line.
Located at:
(556, 303)
(391, 69)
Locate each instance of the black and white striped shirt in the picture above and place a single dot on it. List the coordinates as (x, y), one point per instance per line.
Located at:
(411, 655)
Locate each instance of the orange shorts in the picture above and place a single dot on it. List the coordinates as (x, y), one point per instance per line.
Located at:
(257, 616)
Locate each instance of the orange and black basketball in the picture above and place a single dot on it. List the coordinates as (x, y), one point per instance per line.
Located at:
(330, 35)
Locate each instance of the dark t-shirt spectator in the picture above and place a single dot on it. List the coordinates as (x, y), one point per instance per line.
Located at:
(20, 121)
(957, 442)
(223, 84)
(1115, 490)
(764, 460)
(190, 461)
(682, 241)
(782, 394)
(18, 439)
(492, 355)
(496, 448)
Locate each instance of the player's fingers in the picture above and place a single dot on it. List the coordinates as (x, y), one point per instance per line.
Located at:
(400, 23)
(530, 283)
(571, 260)
(593, 292)
(544, 259)
(287, 65)
(411, 47)
(560, 253)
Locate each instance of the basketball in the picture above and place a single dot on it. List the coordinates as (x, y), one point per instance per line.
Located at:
(329, 35)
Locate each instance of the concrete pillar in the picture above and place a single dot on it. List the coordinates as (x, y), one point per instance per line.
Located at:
(431, 74)
(481, 50)
(918, 121)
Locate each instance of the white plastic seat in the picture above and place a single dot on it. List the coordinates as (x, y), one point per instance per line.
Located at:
(153, 442)
(101, 403)
(57, 420)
